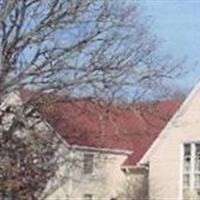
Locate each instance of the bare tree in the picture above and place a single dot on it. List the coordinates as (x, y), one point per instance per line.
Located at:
(135, 186)
(74, 47)
(27, 146)
(95, 46)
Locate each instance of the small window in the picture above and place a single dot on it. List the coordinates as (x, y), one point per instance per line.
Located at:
(6, 196)
(88, 163)
(87, 197)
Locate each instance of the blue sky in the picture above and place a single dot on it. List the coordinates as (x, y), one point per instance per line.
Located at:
(177, 25)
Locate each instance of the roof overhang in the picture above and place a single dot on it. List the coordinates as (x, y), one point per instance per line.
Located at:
(103, 150)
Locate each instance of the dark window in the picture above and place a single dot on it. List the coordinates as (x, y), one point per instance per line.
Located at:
(6, 196)
(87, 197)
(88, 163)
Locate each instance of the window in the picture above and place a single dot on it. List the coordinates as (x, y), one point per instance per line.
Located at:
(191, 170)
(88, 163)
(87, 197)
(6, 195)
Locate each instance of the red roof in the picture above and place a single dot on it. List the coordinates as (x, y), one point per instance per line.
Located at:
(89, 124)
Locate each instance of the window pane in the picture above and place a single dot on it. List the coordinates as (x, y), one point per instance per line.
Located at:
(88, 163)
(197, 164)
(186, 181)
(187, 163)
(187, 149)
(197, 181)
(197, 149)
(187, 157)
(87, 197)
(197, 157)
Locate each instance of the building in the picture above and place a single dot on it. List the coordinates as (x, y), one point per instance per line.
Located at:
(174, 157)
(103, 147)
(114, 152)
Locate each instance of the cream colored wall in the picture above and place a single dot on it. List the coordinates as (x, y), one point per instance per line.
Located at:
(104, 183)
(165, 172)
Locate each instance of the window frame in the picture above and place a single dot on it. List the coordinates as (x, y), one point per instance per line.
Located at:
(191, 172)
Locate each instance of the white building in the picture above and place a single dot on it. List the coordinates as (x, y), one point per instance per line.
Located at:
(113, 152)
(174, 157)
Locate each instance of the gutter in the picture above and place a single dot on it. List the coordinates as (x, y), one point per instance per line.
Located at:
(104, 150)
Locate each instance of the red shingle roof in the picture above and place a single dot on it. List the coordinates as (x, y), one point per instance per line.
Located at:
(88, 124)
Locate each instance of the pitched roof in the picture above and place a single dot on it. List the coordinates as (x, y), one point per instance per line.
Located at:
(89, 124)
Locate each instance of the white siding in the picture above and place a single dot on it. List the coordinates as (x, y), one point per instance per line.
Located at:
(165, 173)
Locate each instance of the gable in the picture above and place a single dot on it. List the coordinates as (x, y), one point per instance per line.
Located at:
(186, 116)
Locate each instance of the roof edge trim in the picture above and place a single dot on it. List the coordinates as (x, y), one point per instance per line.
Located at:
(106, 150)
(164, 131)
